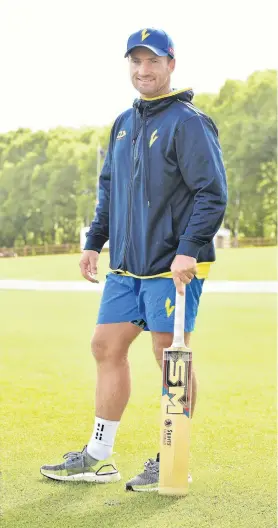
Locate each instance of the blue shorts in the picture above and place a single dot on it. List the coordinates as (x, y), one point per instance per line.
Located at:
(148, 303)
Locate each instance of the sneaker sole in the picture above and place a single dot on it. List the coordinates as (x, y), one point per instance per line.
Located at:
(84, 477)
(129, 487)
(145, 490)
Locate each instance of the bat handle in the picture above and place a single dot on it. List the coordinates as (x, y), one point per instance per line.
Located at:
(178, 340)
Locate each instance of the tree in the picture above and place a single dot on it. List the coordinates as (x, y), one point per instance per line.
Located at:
(48, 180)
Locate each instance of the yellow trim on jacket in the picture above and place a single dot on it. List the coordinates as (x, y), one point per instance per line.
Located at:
(174, 92)
(202, 272)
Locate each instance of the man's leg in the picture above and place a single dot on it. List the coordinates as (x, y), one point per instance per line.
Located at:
(163, 340)
(113, 335)
(110, 345)
(158, 300)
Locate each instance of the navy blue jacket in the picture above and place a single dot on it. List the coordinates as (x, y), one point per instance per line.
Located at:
(162, 189)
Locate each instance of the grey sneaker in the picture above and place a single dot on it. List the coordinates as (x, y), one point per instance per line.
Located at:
(80, 466)
(148, 480)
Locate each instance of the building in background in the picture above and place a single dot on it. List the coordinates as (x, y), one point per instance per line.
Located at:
(222, 239)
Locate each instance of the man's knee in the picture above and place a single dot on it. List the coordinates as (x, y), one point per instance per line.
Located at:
(103, 349)
(99, 347)
(111, 342)
(163, 340)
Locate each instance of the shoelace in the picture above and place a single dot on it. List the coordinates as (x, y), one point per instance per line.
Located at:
(75, 455)
(151, 466)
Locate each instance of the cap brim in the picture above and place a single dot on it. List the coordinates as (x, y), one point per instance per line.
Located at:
(157, 51)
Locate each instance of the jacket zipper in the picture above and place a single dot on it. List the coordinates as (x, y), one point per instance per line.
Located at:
(129, 204)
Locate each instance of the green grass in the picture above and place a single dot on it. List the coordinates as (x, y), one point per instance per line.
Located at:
(231, 264)
(48, 379)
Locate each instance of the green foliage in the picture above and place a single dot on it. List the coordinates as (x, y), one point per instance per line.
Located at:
(48, 179)
(47, 184)
(245, 113)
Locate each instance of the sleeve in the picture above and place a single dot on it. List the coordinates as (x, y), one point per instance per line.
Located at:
(201, 165)
(98, 233)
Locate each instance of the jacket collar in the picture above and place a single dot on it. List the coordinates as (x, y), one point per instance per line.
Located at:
(156, 104)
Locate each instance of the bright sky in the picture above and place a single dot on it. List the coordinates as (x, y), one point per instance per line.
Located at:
(62, 61)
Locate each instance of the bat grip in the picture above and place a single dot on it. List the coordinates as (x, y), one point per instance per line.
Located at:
(178, 340)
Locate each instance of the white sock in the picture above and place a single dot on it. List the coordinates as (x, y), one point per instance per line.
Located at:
(102, 440)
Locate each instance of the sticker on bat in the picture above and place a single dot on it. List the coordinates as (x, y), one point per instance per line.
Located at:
(177, 382)
(167, 437)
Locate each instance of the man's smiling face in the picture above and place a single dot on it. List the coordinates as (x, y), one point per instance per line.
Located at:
(150, 74)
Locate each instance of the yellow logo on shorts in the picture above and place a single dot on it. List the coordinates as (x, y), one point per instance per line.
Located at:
(169, 309)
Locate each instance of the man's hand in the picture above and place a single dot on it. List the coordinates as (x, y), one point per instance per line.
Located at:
(183, 269)
(88, 264)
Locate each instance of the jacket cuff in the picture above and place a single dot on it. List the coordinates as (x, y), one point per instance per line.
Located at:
(95, 242)
(189, 248)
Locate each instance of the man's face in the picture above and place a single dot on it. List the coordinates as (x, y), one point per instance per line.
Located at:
(150, 74)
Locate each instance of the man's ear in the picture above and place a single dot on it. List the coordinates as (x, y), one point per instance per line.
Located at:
(172, 64)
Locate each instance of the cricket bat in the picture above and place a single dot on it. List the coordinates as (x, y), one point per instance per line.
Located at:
(176, 409)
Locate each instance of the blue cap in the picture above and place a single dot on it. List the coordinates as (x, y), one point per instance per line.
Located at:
(154, 39)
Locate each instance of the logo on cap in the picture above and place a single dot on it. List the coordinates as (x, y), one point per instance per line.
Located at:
(145, 34)
(171, 51)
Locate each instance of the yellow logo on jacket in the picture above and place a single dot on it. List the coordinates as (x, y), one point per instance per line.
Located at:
(121, 134)
(154, 137)
(169, 309)
(145, 34)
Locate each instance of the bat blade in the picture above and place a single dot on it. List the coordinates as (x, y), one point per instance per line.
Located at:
(175, 412)
(175, 422)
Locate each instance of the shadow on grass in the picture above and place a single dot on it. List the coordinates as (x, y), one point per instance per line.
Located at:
(88, 505)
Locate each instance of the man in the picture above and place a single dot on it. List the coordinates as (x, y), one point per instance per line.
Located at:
(162, 198)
